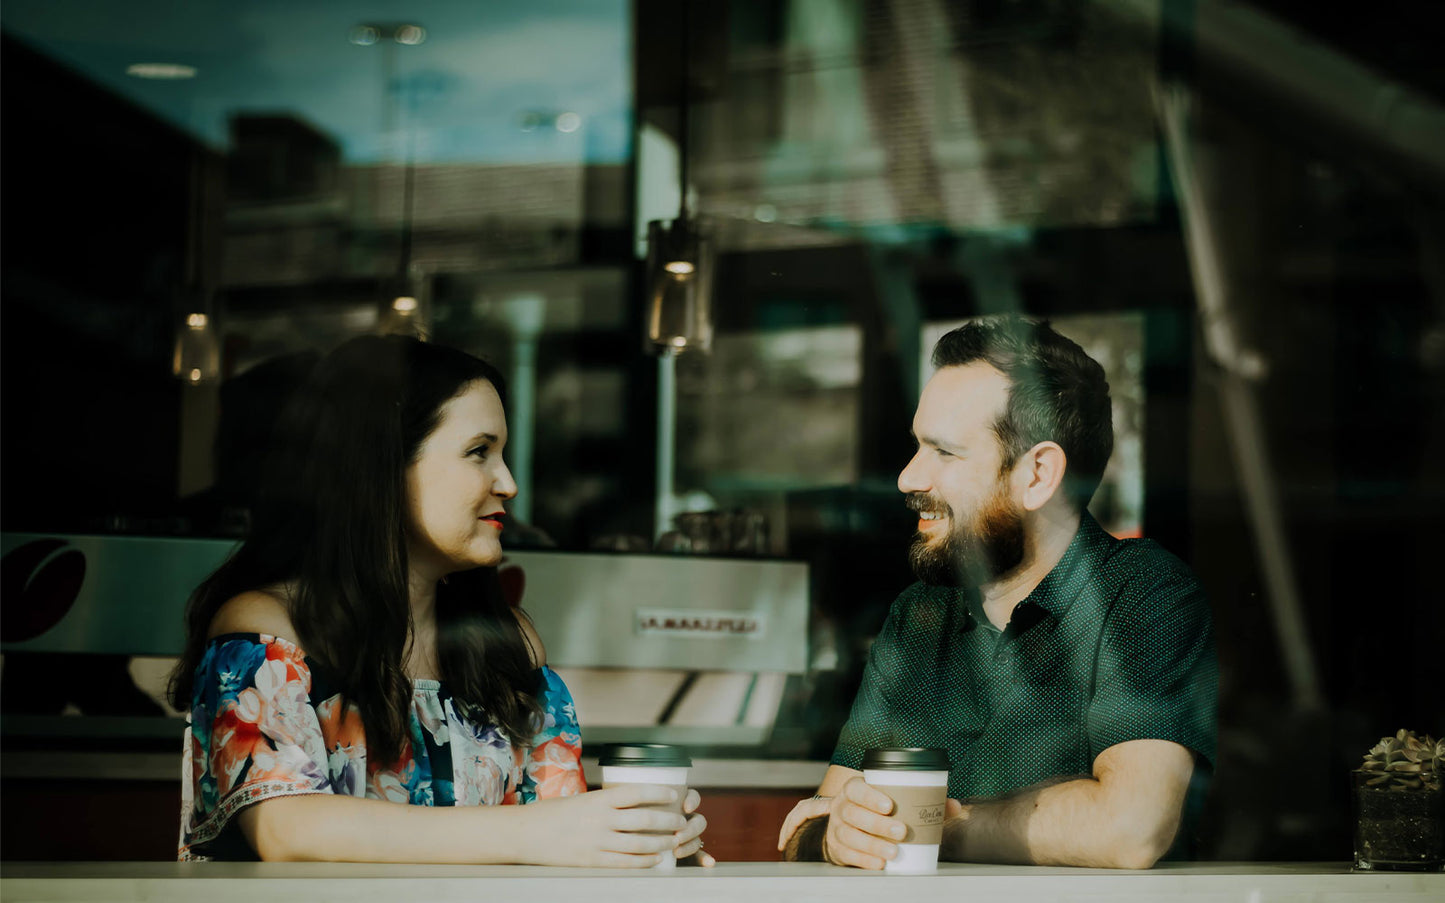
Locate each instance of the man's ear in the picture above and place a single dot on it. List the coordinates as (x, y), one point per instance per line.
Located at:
(1039, 473)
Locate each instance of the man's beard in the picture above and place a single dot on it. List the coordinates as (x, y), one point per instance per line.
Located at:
(974, 553)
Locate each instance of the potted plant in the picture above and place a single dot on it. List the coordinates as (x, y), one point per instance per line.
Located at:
(1400, 804)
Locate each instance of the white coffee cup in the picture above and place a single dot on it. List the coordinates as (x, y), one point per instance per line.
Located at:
(649, 763)
(917, 782)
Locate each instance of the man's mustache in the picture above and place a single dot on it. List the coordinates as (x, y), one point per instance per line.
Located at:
(922, 501)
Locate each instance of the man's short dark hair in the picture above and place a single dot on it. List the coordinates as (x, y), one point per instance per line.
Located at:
(1056, 392)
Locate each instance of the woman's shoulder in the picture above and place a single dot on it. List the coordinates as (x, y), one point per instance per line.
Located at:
(535, 650)
(262, 611)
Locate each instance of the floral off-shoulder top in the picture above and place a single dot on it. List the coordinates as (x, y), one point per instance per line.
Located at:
(264, 724)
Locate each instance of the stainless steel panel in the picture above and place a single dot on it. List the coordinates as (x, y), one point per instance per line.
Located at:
(592, 610)
(658, 611)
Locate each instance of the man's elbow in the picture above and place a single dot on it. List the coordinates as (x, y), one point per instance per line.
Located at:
(1136, 856)
(1140, 846)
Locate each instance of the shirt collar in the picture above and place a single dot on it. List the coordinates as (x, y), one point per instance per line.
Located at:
(1059, 588)
(1062, 585)
(974, 615)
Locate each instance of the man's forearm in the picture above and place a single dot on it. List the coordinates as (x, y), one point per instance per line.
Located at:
(1064, 822)
(806, 844)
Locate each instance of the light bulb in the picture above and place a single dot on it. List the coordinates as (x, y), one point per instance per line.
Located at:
(161, 71)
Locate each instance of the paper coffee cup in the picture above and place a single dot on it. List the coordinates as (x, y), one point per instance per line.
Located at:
(917, 782)
(648, 763)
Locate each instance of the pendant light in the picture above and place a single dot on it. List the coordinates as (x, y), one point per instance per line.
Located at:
(680, 254)
(404, 303)
(197, 354)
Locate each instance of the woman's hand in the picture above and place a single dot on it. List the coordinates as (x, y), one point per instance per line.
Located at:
(689, 839)
(608, 828)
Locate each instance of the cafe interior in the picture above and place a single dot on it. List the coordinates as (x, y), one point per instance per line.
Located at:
(711, 245)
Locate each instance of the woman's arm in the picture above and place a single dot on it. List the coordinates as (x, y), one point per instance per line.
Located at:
(310, 823)
(598, 829)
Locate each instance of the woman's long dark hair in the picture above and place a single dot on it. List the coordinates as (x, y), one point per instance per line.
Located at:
(329, 520)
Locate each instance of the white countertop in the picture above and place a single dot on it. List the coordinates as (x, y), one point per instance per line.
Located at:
(727, 883)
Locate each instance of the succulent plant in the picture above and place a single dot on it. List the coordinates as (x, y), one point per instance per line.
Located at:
(1405, 761)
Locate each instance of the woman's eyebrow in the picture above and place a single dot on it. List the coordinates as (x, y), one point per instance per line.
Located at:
(479, 437)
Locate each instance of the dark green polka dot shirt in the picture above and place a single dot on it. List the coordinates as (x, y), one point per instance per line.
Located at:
(1115, 644)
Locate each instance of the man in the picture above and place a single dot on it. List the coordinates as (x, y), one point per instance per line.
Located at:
(1070, 675)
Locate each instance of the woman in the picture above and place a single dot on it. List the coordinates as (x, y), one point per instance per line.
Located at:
(355, 652)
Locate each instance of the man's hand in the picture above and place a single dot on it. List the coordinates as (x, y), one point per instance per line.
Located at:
(806, 809)
(853, 827)
(861, 831)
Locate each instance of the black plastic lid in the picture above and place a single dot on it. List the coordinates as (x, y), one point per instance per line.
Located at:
(912, 758)
(651, 755)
